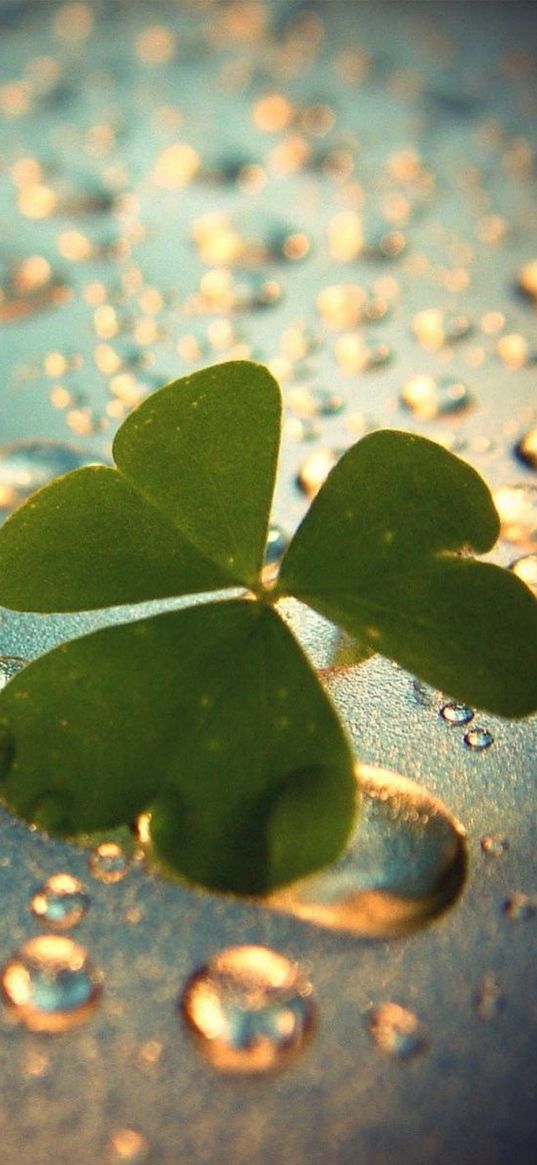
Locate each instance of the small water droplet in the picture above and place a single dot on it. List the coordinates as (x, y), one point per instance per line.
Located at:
(51, 984)
(526, 449)
(489, 999)
(277, 543)
(478, 738)
(315, 469)
(520, 907)
(128, 1145)
(396, 1031)
(494, 845)
(454, 713)
(108, 862)
(26, 466)
(61, 902)
(314, 402)
(527, 279)
(10, 665)
(526, 569)
(31, 287)
(517, 508)
(249, 1008)
(405, 864)
(429, 397)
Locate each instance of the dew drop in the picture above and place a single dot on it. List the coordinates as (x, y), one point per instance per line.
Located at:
(249, 1009)
(396, 1031)
(494, 845)
(527, 279)
(517, 509)
(478, 738)
(30, 288)
(10, 665)
(315, 469)
(429, 397)
(526, 449)
(520, 907)
(489, 999)
(405, 864)
(454, 713)
(277, 543)
(26, 466)
(526, 569)
(108, 862)
(51, 984)
(61, 902)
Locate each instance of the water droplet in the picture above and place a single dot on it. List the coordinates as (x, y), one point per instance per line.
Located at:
(527, 279)
(517, 508)
(429, 397)
(61, 902)
(249, 1008)
(489, 999)
(252, 291)
(526, 449)
(405, 864)
(108, 862)
(128, 1145)
(526, 569)
(454, 713)
(478, 738)
(31, 287)
(314, 402)
(10, 665)
(520, 907)
(26, 466)
(51, 984)
(494, 845)
(396, 1031)
(315, 469)
(277, 543)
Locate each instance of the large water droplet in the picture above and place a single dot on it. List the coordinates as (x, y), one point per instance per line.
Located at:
(26, 466)
(108, 862)
(405, 864)
(51, 984)
(517, 508)
(61, 902)
(10, 665)
(249, 1008)
(396, 1031)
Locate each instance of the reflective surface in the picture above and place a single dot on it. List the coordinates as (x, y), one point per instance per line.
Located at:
(347, 192)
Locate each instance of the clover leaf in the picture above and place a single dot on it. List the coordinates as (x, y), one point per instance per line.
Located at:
(210, 718)
(383, 552)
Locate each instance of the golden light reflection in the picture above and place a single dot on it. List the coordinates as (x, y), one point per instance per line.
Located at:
(513, 350)
(73, 22)
(176, 166)
(341, 305)
(272, 113)
(156, 45)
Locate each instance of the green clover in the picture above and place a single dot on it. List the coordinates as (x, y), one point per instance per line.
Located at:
(210, 717)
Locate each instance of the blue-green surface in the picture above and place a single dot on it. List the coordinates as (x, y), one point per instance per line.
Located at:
(95, 100)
